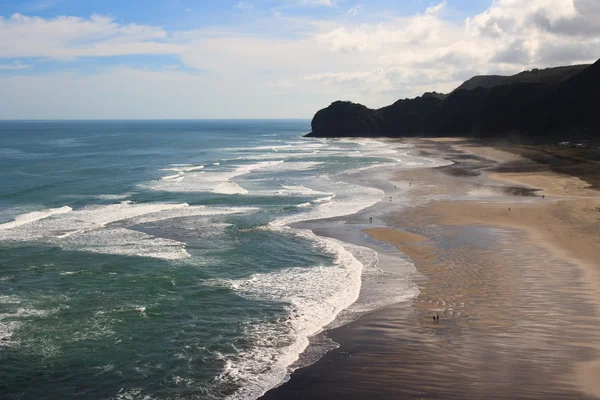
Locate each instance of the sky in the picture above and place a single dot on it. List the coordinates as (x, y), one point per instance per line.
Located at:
(175, 59)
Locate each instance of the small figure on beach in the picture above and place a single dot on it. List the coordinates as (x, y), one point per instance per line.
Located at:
(508, 208)
(543, 197)
(437, 318)
(433, 318)
(370, 220)
(390, 198)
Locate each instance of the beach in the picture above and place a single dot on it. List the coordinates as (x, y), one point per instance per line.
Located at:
(506, 250)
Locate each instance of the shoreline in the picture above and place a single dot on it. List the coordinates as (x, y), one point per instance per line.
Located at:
(465, 216)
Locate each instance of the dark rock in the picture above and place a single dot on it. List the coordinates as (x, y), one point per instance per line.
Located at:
(533, 104)
(346, 119)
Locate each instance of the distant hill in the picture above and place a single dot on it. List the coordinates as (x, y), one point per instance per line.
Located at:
(533, 103)
(572, 107)
(482, 81)
(547, 75)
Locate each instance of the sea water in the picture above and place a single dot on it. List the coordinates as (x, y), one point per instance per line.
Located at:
(155, 259)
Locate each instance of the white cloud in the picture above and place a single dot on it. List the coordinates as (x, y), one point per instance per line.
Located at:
(15, 66)
(353, 12)
(433, 10)
(294, 67)
(327, 3)
(540, 31)
(71, 37)
(41, 5)
(244, 5)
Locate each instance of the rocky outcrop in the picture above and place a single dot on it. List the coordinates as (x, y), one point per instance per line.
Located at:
(533, 103)
(347, 119)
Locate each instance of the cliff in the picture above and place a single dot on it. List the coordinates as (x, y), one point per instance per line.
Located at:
(532, 103)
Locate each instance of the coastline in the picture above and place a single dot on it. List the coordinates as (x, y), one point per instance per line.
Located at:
(517, 291)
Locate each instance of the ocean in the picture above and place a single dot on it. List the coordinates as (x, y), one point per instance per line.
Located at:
(168, 260)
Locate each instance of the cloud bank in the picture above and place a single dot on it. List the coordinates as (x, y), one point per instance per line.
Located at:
(294, 68)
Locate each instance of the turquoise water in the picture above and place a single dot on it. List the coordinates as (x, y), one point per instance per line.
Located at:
(143, 260)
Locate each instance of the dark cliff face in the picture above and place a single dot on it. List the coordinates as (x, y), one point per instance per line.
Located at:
(572, 107)
(346, 119)
(408, 117)
(533, 103)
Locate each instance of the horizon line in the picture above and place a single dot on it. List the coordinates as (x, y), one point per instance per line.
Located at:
(145, 119)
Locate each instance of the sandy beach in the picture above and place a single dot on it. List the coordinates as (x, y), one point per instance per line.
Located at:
(508, 255)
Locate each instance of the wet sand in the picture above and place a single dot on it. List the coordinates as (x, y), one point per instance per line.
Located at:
(517, 291)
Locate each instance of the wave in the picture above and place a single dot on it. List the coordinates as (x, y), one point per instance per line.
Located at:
(108, 229)
(349, 199)
(293, 166)
(299, 190)
(324, 199)
(315, 295)
(216, 181)
(172, 177)
(229, 188)
(261, 148)
(184, 168)
(31, 217)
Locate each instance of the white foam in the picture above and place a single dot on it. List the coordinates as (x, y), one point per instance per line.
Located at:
(244, 169)
(272, 148)
(275, 156)
(350, 199)
(7, 330)
(210, 181)
(132, 394)
(304, 205)
(172, 177)
(126, 242)
(67, 273)
(14, 318)
(300, 190)
(5, 299)
(293, 166)
(184, 168)
(324, 199)
(315, 296)
(113, 196)
(106, 229)
(261, 148)
(229, 188)
(35, 216)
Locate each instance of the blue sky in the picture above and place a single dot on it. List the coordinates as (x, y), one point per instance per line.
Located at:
(268, 58)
